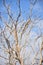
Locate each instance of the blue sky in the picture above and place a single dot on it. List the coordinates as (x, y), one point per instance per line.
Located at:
(25, 8)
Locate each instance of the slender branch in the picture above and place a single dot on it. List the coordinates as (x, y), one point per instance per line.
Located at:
(3, 57)
(7, 8)
(19, 11)
(25, 27)
(32, 4)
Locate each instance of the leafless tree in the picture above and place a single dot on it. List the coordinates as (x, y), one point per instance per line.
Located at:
(14, 48)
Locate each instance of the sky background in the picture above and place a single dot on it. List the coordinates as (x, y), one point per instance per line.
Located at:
(25, 11)
(25, 8)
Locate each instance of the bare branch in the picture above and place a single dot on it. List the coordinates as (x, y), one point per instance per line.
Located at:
(32, 4)
(3, 57)
(25, 27)
(7, 8)
(19, 11)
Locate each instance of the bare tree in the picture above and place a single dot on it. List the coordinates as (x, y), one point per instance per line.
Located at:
(14, 50)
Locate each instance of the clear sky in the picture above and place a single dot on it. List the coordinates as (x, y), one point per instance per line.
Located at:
(25, 8)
